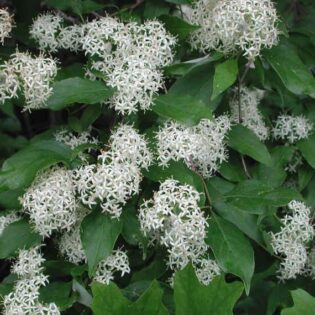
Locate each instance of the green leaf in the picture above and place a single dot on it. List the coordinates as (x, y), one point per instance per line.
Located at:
(246, 142)
(184, 109)
(304, 303)
(177, 26)
(77, 90)
(89, 116)
(224, 76)
(231, 249)
(59, 293)
(179, 171)
(180, 1)
(193, 298)
(292, 71)
(109, 300)
(155, 8)
(99, 234)
(20, 169)
(17, 235)
(307, 148)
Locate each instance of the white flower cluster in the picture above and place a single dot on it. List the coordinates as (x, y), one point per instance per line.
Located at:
(50, 201)
(232, 25)
(117, 262)
(174, 219)
(249, 112)
(25, 297)
(72, 140)
(44, 30)
(31, 75)
(70, 245)
(202, 147)
(7, 219)
(6, 24)
(291, 241)
(309, 269)
(117, 176)
(292, 128)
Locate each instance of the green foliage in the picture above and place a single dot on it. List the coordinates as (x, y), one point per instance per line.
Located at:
(304, 303)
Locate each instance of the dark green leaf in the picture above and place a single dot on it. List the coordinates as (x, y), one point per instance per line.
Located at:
(304, 303)
(193, 298)
(77, 90)
(17, 235)
(90, 115)
(99, 234)
(246, 142)
(307, 148)
(224, 76)
(231, 249)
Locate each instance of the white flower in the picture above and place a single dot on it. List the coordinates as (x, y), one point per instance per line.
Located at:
(202, 147)
(295, 162)
(250, 114)
(6, 24)
(131, 146)
(44, 30)
(206, 270)
(232, 25)
(70, 245)
(291, 128)
(174, 219)
(72, 140)
(9, 82)
(309, 269)
(117, 262)
(7, 219)
(25, 296)
(70, 38)
(292, 239)
(50, 201)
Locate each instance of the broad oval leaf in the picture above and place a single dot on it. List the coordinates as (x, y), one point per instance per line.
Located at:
(99, 234)
(231, 249)
(77, 90)
(246, 142)
(304, 304)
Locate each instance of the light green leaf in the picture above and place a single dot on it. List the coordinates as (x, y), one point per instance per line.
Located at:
(17, 235)
(224, 76)
(184, 109)
(246, 142)
(99, 234)
(193, 298)
(231, 249)
(304, 304)
(77, 90)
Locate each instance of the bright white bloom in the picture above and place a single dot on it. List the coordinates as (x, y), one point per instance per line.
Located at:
(70, 245)
(7, 219)
(6, 24)
(292, 239)
(70, 38)
(50, 201)
(291, 128)
(24, 298)
(9, 82)
(117, 262)
(130, 146)
(174, 219)
(44, 30)
(202, 147)
(232, 25)
(206, 270)
(72, 140)
(250, 114)
(110, 183)
(309, 269)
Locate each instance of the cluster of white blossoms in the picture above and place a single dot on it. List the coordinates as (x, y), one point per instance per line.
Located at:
(291, 128)
(72, 140)
(291, 241)
(128, 56)
(32, 75)
(7, 219)
(6, 24)
(117, 175)
(248, 114)
(202, 147)
(24, 299)
(174, 219)
(50, 201)
(233, 25)
(309, 269)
